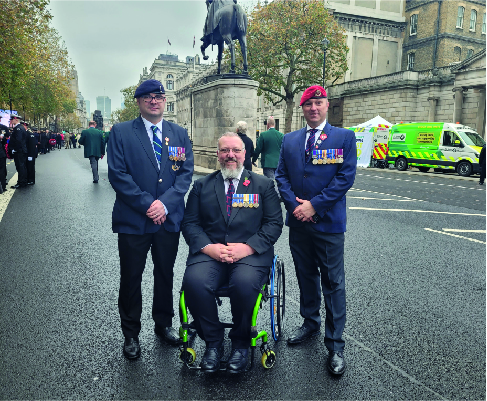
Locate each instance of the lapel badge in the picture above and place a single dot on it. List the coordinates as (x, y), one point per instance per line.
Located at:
(167, 140)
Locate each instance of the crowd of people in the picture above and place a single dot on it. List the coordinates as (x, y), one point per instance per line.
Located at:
(23, 143)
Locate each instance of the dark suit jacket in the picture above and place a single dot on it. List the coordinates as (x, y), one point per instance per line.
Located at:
(325, 185)
(137, 180)
(249, 149)
(18, 139)
(205, 220)
(92, 141)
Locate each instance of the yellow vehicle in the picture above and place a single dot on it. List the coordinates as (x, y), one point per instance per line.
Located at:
(444, 146)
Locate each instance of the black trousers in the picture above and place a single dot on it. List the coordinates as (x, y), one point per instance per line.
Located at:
(200, 282)
(133, 250)
(315, 253)
(31, 170)
(20, 159)
(3, 172)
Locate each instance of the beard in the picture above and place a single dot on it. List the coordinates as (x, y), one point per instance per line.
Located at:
(231, 173)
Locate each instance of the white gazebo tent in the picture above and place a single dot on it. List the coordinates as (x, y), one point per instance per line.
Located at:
(374, 123)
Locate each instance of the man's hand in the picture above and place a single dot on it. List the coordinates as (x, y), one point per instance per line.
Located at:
(305, 211)
(237, 251)
(156, 212)
(215, 251)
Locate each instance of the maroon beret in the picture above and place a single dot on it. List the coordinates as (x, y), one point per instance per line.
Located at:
(313, 92)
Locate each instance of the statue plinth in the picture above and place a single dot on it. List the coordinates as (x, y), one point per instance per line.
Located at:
(218, 105)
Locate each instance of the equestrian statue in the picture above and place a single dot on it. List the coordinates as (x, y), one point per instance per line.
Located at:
(226, 21)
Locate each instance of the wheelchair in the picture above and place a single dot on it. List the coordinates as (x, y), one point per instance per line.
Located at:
(272, 291)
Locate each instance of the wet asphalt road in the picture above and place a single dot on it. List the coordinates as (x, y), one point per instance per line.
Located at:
(415, 298)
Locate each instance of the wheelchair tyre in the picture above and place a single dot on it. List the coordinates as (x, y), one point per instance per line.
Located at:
(268, 359)
(277, 289)
(188, 356)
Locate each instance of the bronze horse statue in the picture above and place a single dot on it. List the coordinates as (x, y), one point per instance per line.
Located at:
(226, 21)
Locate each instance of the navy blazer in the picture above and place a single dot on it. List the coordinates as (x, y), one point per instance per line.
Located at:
(325, 185)
(206, 222)
(137, 180)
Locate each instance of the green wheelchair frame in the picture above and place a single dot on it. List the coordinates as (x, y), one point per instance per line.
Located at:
(273, 291)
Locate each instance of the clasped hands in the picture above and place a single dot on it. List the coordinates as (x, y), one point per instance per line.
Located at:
(230, 253)
(305, 211)
(156, 212)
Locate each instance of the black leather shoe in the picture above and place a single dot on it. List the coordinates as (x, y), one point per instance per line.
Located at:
(210, 362)
(336, 363)
(131, 348)
(238, 360)
(169, 335)
(30, 183)
(17, 186)
(301, 334)
(95, 181)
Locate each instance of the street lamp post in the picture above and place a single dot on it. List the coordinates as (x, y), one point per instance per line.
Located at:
(324, 43)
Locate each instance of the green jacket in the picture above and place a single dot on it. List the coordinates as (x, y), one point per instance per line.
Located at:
(92, 141)
(269, 145)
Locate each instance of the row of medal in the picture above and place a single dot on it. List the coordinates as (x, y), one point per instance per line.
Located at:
(176, 153)
(245, 200)
(327, 156)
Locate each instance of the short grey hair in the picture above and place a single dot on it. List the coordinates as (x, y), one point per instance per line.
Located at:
(231, 134)
(242, 127)
(271, 122)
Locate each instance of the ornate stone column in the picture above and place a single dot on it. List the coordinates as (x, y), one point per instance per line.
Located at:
(432, 110)
(457, 110)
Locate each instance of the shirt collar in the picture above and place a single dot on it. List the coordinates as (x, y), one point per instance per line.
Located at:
(320, 127)
(148, 124)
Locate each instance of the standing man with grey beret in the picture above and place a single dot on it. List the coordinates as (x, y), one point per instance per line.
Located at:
(150, 167)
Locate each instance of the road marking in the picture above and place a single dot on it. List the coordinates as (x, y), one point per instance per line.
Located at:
(415, 211)
(7, 195)
(454, 235)
(377, 356)
(456, 230)
(384, 199)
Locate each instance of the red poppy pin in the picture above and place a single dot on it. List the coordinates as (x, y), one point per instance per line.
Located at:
(246, 182)
(323, 136)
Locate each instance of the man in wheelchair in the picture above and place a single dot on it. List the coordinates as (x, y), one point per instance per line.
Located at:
(232, 220)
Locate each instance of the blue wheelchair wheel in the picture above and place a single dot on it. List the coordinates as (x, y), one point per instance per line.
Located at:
(277, 300)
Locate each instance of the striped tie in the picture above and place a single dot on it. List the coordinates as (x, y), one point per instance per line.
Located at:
(310, 144)
(156, 142)
(230, 192)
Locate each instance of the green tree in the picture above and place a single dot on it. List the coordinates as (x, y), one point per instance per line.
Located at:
(285, 54)
(35, 71)
(131, 109)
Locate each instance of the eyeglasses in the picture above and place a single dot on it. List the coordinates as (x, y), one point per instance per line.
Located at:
(226, 151)
(149, 98)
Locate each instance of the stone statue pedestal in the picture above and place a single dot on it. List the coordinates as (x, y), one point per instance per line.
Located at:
(218, 105)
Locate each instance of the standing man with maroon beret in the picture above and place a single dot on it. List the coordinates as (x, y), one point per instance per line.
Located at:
(317, 167)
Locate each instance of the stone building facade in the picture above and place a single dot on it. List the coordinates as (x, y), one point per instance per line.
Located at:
(442, 32)
(168, 69)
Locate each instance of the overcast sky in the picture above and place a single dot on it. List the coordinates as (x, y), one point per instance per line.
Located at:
(110, 42)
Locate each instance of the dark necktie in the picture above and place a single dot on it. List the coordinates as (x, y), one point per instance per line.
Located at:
(230, 192)
(156, 142)
(310, 144)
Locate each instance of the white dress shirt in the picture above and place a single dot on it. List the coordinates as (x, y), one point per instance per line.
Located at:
(320, 127)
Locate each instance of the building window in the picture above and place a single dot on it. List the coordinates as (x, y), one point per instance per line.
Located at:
(473, 20)
(469, 53)
(169, 76)
(414, 24)
(457, 51)
(169, 85)
(170, 106)
(483, 24)
(411, 57)
(461, 11)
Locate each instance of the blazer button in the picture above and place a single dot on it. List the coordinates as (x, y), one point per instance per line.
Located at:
(305, 176)
(160, 179)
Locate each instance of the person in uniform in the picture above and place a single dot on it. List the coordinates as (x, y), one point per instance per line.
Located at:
(233, 219)
(18, 146)
(4, 134)
(94, 148)
(317, 167)
(31, 142)
(150, 167)
(269, 145)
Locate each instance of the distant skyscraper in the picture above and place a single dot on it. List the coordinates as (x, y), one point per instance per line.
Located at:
(88, 109)
(104, 104)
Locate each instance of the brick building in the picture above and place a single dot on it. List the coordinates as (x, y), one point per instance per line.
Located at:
(442, 32)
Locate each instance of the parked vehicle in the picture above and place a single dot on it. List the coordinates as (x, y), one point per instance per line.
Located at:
(441, 146)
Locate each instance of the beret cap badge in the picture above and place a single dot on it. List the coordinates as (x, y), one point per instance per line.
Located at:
(318, 93)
